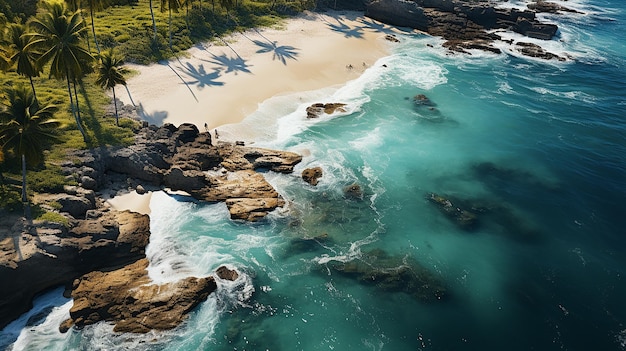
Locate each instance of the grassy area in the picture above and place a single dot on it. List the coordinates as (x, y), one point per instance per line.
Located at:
(130, 30)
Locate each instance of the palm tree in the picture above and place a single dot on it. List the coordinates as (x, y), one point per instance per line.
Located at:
(20, 55)
(58, 33)
(171, 5)
(25, 129)
(227, 4)
(94, 5)
(111, 73)
(154, 38)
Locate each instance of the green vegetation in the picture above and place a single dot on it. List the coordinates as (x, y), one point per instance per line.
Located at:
(51, 46)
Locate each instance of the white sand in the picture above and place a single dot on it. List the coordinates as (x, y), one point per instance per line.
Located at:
(132, 202)
(221, 84)
(218, 84)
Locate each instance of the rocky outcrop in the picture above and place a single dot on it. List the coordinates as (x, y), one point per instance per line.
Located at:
(318, 109)
(126, 298)
(227, 274)
(353, 191)
(312, 175)
(465, 25)
(47, 255)
(398, 13)
(237, 158)
(184, 159)
(534, 50)
(549, 7)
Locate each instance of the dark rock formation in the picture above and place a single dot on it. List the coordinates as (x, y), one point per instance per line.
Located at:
(423, 100)
(395, 274)
(398, 13)
(312, 175)
(50, 255)
(318, 109)
(353, 191)
(228, 274)
(300, 245)
(549, 7)
(126, 297)
(534, 50)
(180, 158)
(464, 218)
(463, 24)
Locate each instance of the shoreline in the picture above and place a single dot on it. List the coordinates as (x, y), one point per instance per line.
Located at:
(223, 84)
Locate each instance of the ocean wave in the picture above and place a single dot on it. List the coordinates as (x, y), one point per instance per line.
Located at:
(574, 95)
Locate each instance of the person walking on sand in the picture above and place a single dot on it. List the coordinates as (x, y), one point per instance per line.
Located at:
(216, 135)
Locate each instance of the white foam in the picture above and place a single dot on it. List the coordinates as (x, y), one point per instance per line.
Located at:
(45, 330)
(570, 95)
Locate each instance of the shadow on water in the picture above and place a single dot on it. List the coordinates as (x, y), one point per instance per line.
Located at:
(281, 53)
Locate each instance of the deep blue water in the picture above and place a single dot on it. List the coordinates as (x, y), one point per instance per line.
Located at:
(535, 149)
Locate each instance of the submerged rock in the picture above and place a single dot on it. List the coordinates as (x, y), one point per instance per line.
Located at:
(465, 219)
(300, 245)
(472, 214)
(393, 274)
(423, 100)
(353, 191)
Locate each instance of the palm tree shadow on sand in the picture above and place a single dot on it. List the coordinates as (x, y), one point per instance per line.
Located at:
(282, 53)
(231, 64)
(346, 30)
(157, 117)
(200, 76)
(378, 27)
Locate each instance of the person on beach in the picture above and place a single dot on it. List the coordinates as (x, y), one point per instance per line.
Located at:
(216, 135)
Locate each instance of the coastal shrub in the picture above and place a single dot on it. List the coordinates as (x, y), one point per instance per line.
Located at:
(54, 217)
(49, 179)
(10, 198)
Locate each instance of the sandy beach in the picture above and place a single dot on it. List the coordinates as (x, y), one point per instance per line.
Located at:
(223, 81)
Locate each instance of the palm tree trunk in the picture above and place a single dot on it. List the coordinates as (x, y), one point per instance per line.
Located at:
(153, 22)
(77, 106)
(117, 118)
(24, 197)
(170, 27)
(78, 122)
(93, 29)
(32, 85)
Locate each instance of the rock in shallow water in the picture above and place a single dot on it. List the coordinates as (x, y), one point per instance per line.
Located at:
(126, 297)
(312, 175)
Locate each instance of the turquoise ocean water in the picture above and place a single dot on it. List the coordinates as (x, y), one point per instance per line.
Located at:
(536, 149)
